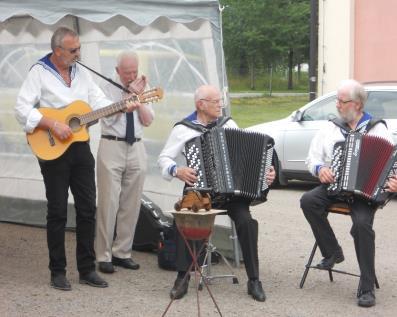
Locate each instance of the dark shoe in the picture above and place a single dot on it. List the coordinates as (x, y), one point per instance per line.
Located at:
(106, 267)
(93, 279)
(60, 281)
(255, 290)
(127, 263)
(180, 288)
(366, 299)
(328, 263)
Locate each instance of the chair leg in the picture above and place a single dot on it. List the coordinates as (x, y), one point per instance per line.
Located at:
(308, 265)
(331, 278)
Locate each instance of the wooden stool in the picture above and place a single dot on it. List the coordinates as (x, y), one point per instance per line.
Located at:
(337, 208)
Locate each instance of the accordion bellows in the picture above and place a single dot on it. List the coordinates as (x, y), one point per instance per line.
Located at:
(361, 165)
(231, 162)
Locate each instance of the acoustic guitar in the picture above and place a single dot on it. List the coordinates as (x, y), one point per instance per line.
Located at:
(79, 116)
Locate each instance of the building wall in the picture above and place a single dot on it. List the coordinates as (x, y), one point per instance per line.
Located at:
(375, 40)
(335, 43)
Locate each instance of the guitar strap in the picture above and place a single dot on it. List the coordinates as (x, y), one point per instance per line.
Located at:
(106, 78)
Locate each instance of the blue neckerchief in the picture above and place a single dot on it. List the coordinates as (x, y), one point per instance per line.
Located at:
(193, 119)
(361, 125)
(46, 63)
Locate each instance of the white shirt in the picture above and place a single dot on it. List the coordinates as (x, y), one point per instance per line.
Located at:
(322, 145)
(175, 145)
(44, 87)
(116, 125)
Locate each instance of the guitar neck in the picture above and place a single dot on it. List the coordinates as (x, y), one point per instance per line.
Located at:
(95, 115)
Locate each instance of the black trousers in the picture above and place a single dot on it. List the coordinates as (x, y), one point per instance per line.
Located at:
(314, 205)
(247, 232)
(74, 170)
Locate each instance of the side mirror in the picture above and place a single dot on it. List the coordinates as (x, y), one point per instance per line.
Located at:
(297, 116)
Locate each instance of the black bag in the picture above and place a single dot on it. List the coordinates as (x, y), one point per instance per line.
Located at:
(166, 254)
(150, 225)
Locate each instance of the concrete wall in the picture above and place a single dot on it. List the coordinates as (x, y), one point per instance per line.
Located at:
(375, 40)
(335, 43)
(357, 39)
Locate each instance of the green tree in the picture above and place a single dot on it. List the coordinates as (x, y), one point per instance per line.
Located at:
(261, 33)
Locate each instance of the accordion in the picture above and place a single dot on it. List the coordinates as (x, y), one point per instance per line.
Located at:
(361, 166)
(231, 162)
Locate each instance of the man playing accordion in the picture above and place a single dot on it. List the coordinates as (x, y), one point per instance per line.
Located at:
(350, 101)
(208, 114)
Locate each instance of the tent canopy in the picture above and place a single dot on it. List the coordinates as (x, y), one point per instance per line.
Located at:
(143, 12)
(179, 44)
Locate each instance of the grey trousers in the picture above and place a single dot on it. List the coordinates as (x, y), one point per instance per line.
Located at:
(121, 170)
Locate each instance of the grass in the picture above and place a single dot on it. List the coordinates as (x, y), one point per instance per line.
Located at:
(279, 82)
(250, 111)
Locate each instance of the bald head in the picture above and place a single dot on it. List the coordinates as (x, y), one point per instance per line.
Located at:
(207, 99)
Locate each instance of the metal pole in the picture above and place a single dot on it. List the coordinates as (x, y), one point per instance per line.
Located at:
(313, 59)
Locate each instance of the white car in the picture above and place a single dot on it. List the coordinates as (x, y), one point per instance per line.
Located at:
(293, 134)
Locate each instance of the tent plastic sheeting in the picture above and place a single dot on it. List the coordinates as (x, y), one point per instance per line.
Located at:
(179, 44)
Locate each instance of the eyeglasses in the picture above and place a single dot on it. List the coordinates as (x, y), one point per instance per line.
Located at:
(343, 102)
(214, 102)
(71, 50)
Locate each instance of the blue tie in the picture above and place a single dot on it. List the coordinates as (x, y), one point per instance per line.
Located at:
(129, 131)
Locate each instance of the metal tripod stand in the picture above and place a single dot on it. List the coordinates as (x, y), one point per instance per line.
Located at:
(207, 263)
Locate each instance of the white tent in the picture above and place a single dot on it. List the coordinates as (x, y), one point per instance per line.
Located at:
(179, 43)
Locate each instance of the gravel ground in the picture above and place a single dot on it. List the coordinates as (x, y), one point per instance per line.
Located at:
(284, 245)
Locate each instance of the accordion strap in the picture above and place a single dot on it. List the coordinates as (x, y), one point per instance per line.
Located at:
(371, 123)
(198, 127)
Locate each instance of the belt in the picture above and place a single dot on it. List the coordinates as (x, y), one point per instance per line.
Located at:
(116, 138)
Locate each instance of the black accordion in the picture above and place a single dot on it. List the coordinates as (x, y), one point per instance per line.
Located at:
(231, 162)
(361, 166)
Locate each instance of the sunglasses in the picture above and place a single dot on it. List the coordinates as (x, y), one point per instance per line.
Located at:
(71, 50)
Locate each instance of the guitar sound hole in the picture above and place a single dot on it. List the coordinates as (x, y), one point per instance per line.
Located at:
(74, 124)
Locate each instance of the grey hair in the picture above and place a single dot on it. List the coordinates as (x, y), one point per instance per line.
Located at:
(203, 91)
(59, 35)
(357, 91)
(199, 94)
(127, 54)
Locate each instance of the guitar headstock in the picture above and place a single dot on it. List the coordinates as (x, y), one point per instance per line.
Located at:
(152, 95)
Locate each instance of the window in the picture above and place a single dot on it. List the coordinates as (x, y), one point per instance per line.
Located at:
(323, 110)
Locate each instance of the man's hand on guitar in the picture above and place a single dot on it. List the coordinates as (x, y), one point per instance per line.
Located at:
(325, 175)
(132, 105)
(61, 130)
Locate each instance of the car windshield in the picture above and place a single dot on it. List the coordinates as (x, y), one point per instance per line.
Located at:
(322, 110)
(382, 104)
